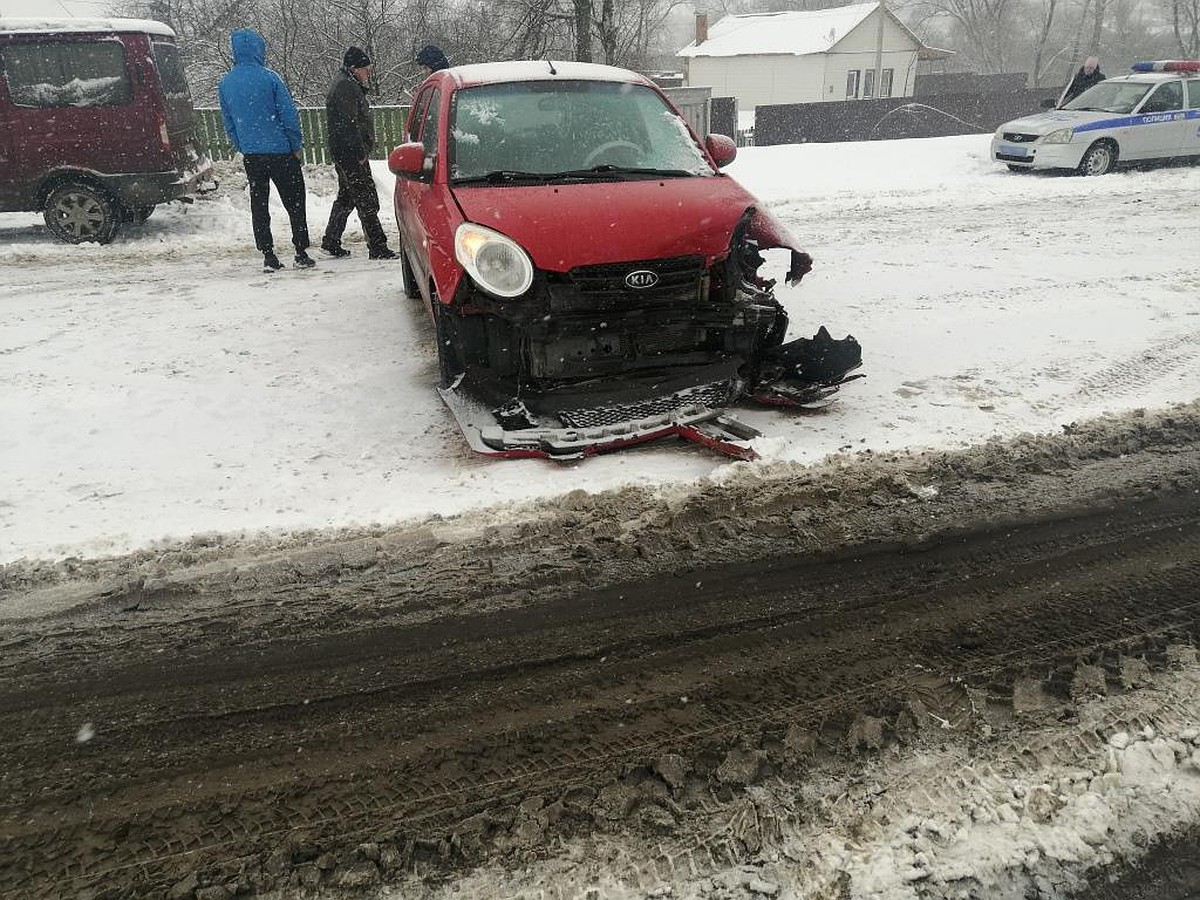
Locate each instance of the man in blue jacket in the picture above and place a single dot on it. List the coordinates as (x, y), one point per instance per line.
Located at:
(261, 120)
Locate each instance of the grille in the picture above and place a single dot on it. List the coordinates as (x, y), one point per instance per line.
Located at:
(708, 395)
(677, 276)
(1016, 137)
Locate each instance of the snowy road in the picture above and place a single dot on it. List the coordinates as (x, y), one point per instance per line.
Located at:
(162, 387)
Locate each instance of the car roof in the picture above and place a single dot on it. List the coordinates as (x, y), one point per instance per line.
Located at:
(13, 25)
(541, 70)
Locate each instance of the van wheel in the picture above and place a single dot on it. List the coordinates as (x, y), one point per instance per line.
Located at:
(1099, 159)
(77, 212)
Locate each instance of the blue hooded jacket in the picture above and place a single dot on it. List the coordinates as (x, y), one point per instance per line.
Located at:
(259, 113)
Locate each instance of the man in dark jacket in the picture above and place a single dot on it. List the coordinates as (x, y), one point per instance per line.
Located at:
(1089, 74)
(351, 136)
(261, 120)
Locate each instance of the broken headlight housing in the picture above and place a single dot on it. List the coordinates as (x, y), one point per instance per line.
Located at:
(495, 262)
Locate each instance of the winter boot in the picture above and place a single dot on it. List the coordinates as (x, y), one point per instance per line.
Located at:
(337, 251)
(382, 253)
(303, 260)
(271, 262)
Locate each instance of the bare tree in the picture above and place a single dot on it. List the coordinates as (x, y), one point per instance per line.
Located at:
(981, 24)
(1185, 25)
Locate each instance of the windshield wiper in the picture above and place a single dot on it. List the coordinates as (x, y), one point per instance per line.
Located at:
(500, 176)
(607, 170)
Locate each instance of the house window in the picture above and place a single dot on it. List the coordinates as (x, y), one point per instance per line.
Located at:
(852, 85)
(885, 83)
(868, 84)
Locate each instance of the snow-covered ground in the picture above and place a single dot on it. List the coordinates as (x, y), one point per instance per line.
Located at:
(163, 386)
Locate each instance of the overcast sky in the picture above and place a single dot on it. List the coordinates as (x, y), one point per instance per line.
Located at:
(46, 8)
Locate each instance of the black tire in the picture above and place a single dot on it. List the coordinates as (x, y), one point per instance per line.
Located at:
(1100, 159)
(137, 215)
(450, 362)
(407, 278)
(78, 212)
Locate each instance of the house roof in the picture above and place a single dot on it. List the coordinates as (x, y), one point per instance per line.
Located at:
(795, 33)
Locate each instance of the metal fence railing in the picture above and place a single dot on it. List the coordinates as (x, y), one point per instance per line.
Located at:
(389, 132)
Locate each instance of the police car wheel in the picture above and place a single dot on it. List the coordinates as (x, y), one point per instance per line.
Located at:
(1099, 159)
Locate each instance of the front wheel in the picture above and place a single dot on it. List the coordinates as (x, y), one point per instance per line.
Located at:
(450, 364)
(1099, 159)
(407, 279)
(77, 212)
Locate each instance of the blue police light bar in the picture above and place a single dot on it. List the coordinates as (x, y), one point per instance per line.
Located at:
(1167, 65)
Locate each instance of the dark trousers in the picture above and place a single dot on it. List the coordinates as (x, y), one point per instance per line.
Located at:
(284, 171)
(356, 192)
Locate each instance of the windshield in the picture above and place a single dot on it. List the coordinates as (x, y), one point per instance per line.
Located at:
(1111, 96)
(543, 128)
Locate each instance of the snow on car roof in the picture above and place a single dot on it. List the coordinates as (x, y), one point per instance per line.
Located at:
(36, 25)
(542, 70)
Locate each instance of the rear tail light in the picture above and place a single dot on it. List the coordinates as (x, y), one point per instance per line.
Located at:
(163, 136)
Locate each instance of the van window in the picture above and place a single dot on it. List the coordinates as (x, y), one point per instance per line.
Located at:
(68, 73)
(170, 71)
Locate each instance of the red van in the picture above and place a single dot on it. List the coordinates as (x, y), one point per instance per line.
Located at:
(95, 124)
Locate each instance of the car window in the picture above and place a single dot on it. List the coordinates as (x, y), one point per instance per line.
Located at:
(545, 127)
(1111, 96)
(1166, 97)
(417, 116)
(67, 73)
(429, 127)
(170, 70)
(1193, 89)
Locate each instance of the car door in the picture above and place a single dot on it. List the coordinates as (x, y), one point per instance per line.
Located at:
(412, 192)
(1159, 127)
(1191, 131)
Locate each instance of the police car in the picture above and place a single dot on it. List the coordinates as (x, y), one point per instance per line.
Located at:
(1153, 113)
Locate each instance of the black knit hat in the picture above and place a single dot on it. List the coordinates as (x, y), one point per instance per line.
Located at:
(431, 55)
(355, 58)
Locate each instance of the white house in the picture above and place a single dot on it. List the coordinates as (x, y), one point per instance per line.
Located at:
(806, 57)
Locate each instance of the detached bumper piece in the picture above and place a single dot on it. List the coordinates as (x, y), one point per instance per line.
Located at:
(606, 416)
(807, 372)
(578, 420)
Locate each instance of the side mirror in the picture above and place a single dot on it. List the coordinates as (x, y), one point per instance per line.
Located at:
(407, 160)
(721, 148)
(1049, 103)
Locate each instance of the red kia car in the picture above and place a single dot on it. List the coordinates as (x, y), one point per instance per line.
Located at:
(591, 273)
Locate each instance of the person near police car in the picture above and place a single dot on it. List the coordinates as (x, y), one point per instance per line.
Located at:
(351, 136)
(1089, 74)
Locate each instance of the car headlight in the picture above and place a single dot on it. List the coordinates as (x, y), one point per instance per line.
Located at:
(494, 261)
(1062, 136)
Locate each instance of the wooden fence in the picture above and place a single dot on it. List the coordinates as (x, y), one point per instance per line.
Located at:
(389, 132)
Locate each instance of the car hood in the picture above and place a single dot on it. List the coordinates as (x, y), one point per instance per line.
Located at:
(562, 226)
(1044, 123)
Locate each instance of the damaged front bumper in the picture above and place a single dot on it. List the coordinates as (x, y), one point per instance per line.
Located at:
(610, 415)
